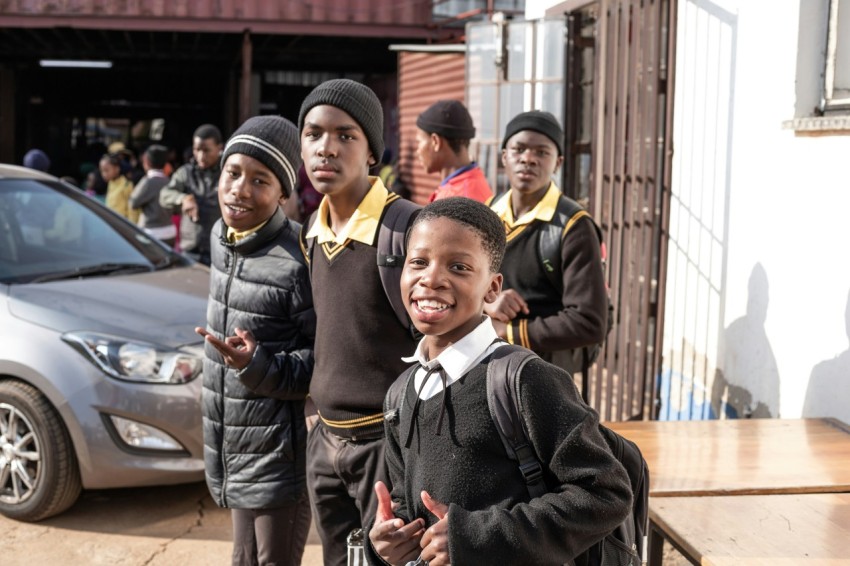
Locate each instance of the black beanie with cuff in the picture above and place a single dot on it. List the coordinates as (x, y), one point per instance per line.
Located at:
(447, 118)
(358, 101)
(538, 121)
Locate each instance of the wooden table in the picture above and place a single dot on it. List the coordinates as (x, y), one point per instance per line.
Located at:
(810, 529)
(746, 456)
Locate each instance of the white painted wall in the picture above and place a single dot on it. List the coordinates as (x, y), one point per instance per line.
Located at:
(758, 286)
(783, 237)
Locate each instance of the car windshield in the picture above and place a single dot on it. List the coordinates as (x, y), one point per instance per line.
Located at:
(49, 231)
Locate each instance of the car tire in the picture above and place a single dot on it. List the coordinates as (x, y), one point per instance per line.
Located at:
(39, 474)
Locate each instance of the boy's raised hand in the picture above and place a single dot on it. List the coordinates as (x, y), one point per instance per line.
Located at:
(435, 541)
(237, 351)
(395, 542)
(507, 306)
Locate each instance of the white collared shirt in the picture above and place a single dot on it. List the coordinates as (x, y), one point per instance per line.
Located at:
(455, 360)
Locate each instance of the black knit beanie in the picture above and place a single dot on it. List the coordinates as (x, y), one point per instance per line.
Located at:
(274, 142)
(447, 118)
(538, 121)
(358, 100)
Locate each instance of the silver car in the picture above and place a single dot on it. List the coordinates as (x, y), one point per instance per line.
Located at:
(99, 363)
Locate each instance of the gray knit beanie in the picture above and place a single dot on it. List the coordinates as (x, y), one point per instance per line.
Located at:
(274, 142)
(538, 121)
(356, 99)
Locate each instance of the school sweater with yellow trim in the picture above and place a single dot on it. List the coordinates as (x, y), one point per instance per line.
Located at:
(359, 340)
(575, 318)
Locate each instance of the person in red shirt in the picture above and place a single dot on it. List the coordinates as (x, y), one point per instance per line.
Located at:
(443, 132)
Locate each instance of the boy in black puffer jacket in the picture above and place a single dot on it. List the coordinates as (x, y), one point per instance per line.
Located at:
(256, 381)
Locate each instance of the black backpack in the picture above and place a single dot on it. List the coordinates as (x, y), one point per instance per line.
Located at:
(626, 545)
(552, 233)
(398, 215)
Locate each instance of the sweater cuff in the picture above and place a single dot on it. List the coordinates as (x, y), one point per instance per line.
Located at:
(517, 332)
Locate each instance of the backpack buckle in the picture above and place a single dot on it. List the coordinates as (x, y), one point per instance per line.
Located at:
(532, 472)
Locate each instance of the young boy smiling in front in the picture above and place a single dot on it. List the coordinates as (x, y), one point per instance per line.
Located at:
(456, 497)
(359, 340)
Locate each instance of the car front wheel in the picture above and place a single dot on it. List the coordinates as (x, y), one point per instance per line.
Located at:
(39, 476)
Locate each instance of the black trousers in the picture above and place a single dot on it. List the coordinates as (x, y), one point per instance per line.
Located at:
(341, 476)
(271, 537)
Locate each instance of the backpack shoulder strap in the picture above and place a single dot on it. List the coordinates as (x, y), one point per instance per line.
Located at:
(503, 371)
(394, 400)
(552, 233)
(398, 215)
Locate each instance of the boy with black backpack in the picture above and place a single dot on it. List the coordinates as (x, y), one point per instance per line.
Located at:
(360, 337)
(457, 496)
(554, 301)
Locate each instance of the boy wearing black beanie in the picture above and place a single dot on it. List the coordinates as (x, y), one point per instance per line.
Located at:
(359, 339)
(556, 306)
(259, 348)
(443, 132)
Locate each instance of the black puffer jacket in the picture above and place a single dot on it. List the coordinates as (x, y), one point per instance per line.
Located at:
(254, 429)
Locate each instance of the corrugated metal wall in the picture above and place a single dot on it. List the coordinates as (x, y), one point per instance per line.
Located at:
(423, 78)
(369, 12)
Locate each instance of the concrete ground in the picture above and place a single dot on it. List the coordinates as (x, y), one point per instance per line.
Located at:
(155, 526)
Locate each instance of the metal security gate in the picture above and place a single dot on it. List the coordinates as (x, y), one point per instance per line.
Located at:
(618, 122)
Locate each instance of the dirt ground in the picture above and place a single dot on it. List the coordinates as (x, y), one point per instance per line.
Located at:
(158, 526)
(155, 526)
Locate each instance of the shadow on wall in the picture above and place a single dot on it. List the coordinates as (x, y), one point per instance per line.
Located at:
(746, 383)
(828, 394)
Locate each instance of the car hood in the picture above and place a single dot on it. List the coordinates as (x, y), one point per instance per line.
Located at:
(161, 307)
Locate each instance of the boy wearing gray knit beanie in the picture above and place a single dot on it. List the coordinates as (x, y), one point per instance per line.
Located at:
(259, 348)
(554, 300)
(359, 338)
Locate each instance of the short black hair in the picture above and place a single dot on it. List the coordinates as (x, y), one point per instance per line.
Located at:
(456, 144)
(208, 132)
(472, 214)
(157, 155)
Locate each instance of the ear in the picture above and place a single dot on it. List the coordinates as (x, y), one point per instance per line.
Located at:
(505, 158)
(558, 163)
(371, 161)
(436, 142)
(494, 289)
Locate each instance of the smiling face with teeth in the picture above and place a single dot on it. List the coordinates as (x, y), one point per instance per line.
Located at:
(248, 192)
(446, 281)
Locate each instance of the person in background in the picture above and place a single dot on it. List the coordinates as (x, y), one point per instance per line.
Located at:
(193, 191)
(118, 188)
(554, 316)
(37, 159)
(443, 132)
(259, 349)
(145, 196)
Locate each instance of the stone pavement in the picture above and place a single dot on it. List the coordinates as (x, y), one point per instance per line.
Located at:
(155, 526)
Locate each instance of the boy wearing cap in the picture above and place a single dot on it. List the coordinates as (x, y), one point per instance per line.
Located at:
(256, 381)
(443, 132)
(554, 316)
(359, 339)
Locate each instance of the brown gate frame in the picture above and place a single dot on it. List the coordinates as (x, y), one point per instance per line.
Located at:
(631, 155)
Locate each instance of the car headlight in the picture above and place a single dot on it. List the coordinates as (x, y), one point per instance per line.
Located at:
(132, 360)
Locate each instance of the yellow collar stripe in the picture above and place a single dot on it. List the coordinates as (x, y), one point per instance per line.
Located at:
(363, 224)
(234, 236)
(544, 210)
